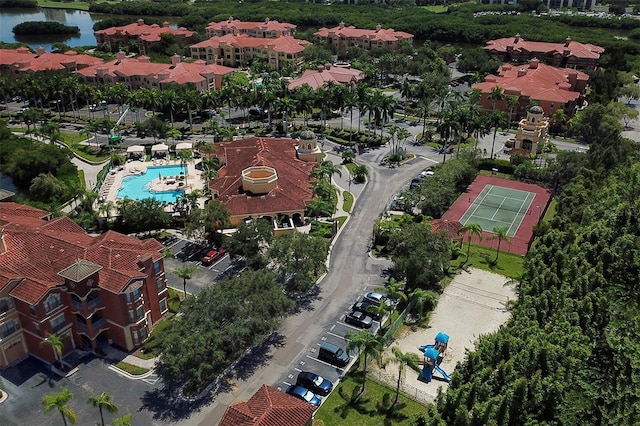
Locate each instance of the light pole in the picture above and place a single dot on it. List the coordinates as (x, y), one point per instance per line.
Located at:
(539, 212)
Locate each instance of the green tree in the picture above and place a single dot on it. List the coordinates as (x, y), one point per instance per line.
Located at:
(366, 344)
(249, 241)
(56, 342)
(123, 420)
(185, 272)
(60, 401)
(470, 229)
(403, 361)
(206, 223)
(103, 402)
(500, 234)
(360, 173)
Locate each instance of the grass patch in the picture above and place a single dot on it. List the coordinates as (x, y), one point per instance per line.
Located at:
(499, 174)
(151, 349)
(77, 5)
(372, 408)
(482, 257)
(83, 182)
(348, 201)
(341, 220)
(174, 300)
(134, 370)
(551, 210)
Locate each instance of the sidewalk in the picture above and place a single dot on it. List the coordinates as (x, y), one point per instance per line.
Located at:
(118, 355)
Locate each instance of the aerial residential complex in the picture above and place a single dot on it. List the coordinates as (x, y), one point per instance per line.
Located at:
(140, 34)
(344, 37)
(89, 290)
(267, 29)
(569, 54)
(552, 88)
(15, 62)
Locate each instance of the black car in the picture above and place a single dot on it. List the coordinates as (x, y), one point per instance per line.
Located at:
(359, 319)
(313, 382)
(367, 308)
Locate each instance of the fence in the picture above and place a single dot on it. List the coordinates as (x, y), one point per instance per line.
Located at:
(419, 395)
(388, 336)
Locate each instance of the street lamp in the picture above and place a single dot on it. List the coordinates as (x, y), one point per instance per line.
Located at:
(539, 212)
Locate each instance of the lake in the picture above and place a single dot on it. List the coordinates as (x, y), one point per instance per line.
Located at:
(81, 19)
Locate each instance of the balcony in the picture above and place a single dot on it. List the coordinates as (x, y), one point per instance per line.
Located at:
(95, 327)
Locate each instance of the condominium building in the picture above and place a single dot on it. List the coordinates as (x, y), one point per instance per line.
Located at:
(16, 62)
(88, 290)
(267, 29)
(140, 34)
(344, 37)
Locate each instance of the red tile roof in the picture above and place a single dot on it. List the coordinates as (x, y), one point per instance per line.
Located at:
(268, 25)
(293, 188)
(517, 43)
(24, 60)
(449, 227)
(284, 44)
(148, 33)
(268, 407)
(37, 250)
(377, 34)
(535, 80)
(318, 78)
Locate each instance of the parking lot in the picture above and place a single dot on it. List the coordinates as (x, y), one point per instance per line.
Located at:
(334, 334)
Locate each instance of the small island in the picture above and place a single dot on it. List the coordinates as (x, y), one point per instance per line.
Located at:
(43, 27)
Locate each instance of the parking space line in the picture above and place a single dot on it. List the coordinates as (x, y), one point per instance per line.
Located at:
(349, 325)
(337, 335)
(286, 383)
(325, 363)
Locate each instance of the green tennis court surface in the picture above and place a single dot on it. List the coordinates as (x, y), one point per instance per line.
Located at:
(496, 206)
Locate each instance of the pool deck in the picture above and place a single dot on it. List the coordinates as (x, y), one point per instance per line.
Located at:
(113, 182)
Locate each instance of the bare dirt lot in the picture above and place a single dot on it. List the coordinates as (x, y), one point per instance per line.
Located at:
(474, 303)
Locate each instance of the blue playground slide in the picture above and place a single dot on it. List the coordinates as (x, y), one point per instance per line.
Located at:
(442, 373)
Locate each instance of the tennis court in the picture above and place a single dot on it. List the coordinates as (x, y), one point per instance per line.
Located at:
(497, 206)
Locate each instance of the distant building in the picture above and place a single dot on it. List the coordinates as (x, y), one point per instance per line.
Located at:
(266, 29)
(325, 73)
(15, 62)
(140, 34)
(90, 290)
(267, 178)
(342, 37)
(140, 72)
(532, 133)
(552, 88)
(268, 407)
(570, 54)
(551, 4)
(241, 50)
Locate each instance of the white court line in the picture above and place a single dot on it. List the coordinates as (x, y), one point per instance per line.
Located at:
(479, 203)
(522, 217)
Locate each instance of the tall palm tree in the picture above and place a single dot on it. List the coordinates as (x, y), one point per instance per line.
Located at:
(497, 119)
(103, 401)
(191, 100)
(170, 100)
(368, 345)
(471, 229)
(403, 360)
(500, 233)
(423, 299)
(186, 272)
(56, 342)
(305, 99)
(496, 95)
(59, 402)
(512, 103)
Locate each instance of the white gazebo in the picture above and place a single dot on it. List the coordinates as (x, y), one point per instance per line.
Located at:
(135, 151)
(159, 150)
(184, 146)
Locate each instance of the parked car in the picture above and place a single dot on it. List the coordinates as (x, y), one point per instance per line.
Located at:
(304, 394)
(415, 182)
(99, 107)
(376, 298)
(207, 113)
(333, 354)
(367, 308)
(257, 112)
(359, 319)
(213, 255)
(313, 382)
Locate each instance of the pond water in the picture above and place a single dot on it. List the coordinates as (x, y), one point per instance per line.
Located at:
(9, 18)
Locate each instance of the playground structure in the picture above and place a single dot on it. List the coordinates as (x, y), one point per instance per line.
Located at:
(433, 356)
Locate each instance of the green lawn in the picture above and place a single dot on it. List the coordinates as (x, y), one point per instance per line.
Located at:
(509, 264)
(369, 408)
(78, 5)
(132, 369)
(348, 201)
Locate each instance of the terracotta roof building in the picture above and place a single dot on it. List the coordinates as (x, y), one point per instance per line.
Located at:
(570, 54)
(325, 73)
(141, 72)
(14, 62)
(341, 38)
(90, 290)
(552, 88)
(266, 178)
(266, 29)
(115, 38)
(240, 50)
(268, 407)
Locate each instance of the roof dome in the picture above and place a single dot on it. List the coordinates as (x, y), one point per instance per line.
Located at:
(307, 135)
(536, 109)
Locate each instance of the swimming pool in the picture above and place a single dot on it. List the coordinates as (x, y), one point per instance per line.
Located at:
(137, 187)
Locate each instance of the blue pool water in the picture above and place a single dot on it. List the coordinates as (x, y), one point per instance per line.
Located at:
(137, 187)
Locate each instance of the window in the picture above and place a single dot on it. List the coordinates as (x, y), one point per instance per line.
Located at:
(5, 304)
(160, 285)
(52, 302)
(163, 305)
(156, 267)
(9, 327)
(139, 313)
(134, 295)
(132, 318)
(136, 339)
(57, 323)
(36, 327)
(143, 333)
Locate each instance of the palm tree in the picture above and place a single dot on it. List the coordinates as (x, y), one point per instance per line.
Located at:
(185, 156)
(103, 401)
(500, 233)
(171, 100)
(59, 401)
(191, 100)
(496, 95)
(512, 102)
(403, 360)
(360, 173)
(497, 119)
(304, 99)
(366, 344)
(186, 272)
(424, 300)
(471, 229)
(56, 342)
(123, 420)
